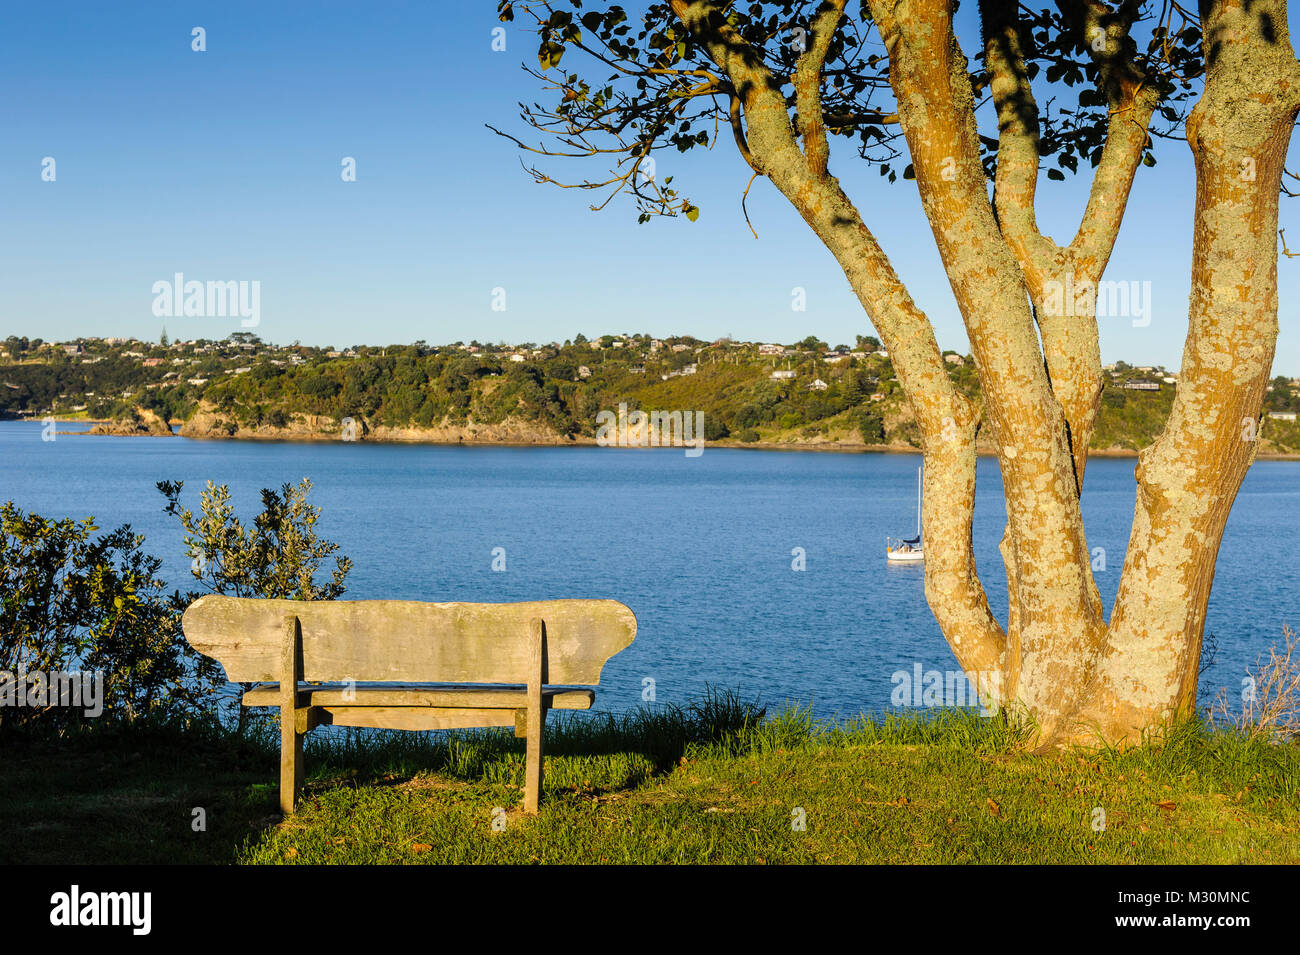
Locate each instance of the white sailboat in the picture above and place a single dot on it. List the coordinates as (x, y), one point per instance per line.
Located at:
(908, 549)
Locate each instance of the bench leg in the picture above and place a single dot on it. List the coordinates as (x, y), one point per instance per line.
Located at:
(536, 716)
(291, 761)
(291, 768)
(533, 766)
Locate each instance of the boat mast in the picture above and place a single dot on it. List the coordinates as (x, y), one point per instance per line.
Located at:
(918, 502)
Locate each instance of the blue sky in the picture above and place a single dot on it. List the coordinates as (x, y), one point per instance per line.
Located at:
(225, 165)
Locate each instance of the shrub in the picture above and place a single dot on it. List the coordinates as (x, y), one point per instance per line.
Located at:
(279, 556)
(872, 428)
(74, 602)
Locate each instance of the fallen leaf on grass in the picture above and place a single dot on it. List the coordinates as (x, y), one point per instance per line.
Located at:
(420, 847)
(1167, 805)
(993, 807)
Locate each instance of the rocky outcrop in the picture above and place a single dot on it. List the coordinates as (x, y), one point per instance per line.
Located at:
(141, 422)
(209, 423)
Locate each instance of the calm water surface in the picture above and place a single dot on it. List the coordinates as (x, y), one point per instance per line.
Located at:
(700, 548)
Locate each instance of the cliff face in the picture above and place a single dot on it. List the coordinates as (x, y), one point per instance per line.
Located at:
(208, 423)
(142, 422)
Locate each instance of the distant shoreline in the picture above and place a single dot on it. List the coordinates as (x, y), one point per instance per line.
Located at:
(828, 447)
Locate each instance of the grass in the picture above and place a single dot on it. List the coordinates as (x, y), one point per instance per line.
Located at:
(717, 782)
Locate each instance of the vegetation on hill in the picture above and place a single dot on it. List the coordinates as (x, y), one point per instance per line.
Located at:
(806, 393)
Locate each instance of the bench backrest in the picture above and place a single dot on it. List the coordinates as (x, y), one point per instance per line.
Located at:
(409, 641)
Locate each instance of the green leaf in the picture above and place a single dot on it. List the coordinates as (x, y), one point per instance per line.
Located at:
(692, 212)
(549, 54)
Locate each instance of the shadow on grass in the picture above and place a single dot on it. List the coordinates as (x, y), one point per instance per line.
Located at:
(585, 751)
(149, 792)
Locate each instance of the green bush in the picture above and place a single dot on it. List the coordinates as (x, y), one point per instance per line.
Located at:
(76, 603)
(279, 556)
(715, 429)
(872, 428)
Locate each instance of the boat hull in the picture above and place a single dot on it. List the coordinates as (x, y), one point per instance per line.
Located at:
(904, 556)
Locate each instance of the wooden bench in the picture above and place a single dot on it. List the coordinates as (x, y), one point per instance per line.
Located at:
(401, 664)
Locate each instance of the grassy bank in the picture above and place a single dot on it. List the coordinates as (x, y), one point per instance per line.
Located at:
(717, 782)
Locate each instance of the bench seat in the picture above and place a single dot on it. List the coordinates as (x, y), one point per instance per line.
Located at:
(422, 694)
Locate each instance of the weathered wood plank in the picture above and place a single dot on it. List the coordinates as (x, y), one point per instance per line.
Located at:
(389, 694)
(402, 640)
(414, 717)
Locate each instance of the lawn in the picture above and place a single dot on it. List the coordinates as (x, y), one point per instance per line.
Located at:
(718, 782)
